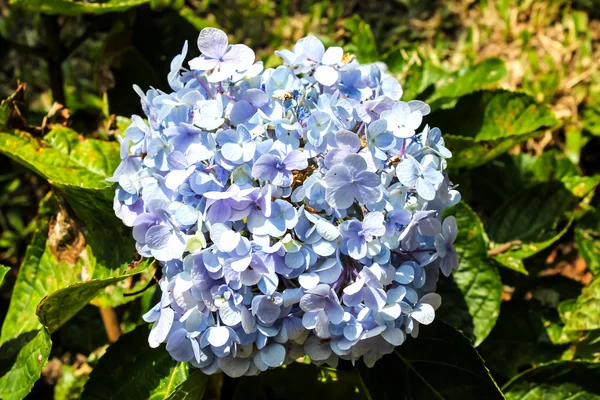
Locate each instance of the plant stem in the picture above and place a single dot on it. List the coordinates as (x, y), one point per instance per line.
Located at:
(55, 56)
(111, 323)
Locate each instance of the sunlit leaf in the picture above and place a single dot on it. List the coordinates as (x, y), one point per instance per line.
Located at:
(587, 236)
(72, 7)
(24, 343)
(469, 79)
(59, 306)
(3, 271)
(585, 313)
(192, 388)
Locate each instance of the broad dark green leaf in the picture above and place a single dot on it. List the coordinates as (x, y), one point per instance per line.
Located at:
(85, 332)
(485, 124)
(56, 272)
(530, 221)
(518, 341)
(469, 153)
(40, 274)
(130, 369)
(494, 114)
(22, 359)
(78, 168)
(551, 165)
(73, 7)
(25, 344)
(469, 79)
(3, 271)
(362, 42)
(471, 296)
(587, 236)
(301, 381)
(495, 182)
(440, 364)
(513, 257)
(59, 306)
(562, 380)
(585, 312)
(192, 389)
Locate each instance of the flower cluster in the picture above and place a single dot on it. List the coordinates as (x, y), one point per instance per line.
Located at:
(296, 211)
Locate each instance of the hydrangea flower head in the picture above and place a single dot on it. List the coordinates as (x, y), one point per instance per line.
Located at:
(295, 210)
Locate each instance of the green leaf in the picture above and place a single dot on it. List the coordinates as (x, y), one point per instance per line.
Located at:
(362, 42)
(587, 237)
(73, 7)
(69, 386)
(177, 377)
(440, 364)
(58, 307)
(85, 332)
(471, 296)
(39, 274)
(485, 124)
(492, 115)
(131, 369)
(589, 347)
(469, 153)
(7, 106)
(514, 256)
(518, 340)
(298, 381)
(78, 168)
(419, 78)
(585, 313)
(529, 222)
(581, 186)
(591, 120)
(192, 389)
(3, 271)
(58, 275)
(492, 184)
(160, 5)
(25, 344)
(199, 23)
(22, 360)
(469, 79)
(64, 157)
(560, 380)
(550, 165)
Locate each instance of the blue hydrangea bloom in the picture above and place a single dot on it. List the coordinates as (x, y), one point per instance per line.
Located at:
(294, 211)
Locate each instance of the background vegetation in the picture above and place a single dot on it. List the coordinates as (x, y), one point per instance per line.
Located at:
(515, 87)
